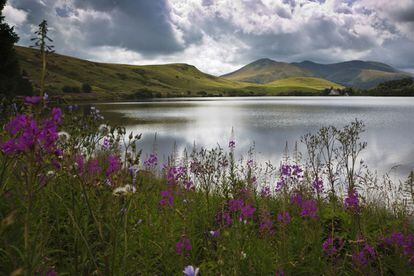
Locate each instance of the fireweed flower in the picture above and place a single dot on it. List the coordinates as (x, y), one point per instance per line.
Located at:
(296, 199)
(34, 100)
(403, 243)
(235, 204)
(332, 247)
(247, 212)
(266, 225)
(175, 174)
(284, 218)
(191, 270)
(232, 144)
(114, 165)
(167, 198)
(365, 256)
(152, 161)
(309, 208)
(351, 201)
(224, 219)
(94, 167)
(183, 246)
(80, 163)
(265, 192)
(317, 185)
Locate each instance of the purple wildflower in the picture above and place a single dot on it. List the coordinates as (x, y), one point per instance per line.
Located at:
(191, 271)
(114, 165)
(332, 247)
(296, 199)
(232, 144)
(309, 208)
(235, 205)
(80, 163)
(317, 185)
(247, 212)
(284, 218)
(167, 198)
(365, 256)
(183, 246)
(351, 201)
(265, 192)
(224, 219)
(152, 160)
(34, 100)
(94, 167)
(266, 225)
(214, 234)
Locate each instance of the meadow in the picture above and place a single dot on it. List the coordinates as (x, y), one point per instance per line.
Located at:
(78, 198)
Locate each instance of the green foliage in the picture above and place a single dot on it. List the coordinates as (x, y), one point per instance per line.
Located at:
(76, 214)
(86, 88)
(11, 82)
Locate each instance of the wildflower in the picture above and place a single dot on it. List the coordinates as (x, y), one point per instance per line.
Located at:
(284, 218)
(114, 165)
(232, 144)
(94, 167)
(34, 100)
(351, 201)
(280, 184)
(224, 219)
(167, 198)
(247, 211)
(309, 208)
(332, 246)
(174, 174)
(191, 270)
(106, 143)
(151, 161)
(243, 255)
(214, 234)
(45, 97)
(265, 192)
(365, 256)
(266, 225)
(235, 205)
(250, 163)
(401, 242)
(125, 190)
(296, 199)
(317, 185)
(63, 136)
(183, 246)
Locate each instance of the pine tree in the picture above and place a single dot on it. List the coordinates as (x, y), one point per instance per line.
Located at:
(42, 43)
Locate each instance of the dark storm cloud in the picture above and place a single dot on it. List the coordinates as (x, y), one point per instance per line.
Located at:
(137, 25)
(226, 34)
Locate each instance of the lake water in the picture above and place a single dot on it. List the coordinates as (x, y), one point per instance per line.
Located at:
(268, 122)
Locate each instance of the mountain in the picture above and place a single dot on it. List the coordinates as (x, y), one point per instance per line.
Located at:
(359, 74)
(267, 70)
(356, 73)
(66, 75)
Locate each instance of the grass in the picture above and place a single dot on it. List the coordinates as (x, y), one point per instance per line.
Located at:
(77, 198)
(305, 83)
(117, 81)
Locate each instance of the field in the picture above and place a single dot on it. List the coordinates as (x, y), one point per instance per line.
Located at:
(77, 198)
(117, 81)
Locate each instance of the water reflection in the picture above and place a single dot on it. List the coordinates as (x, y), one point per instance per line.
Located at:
(268, 122)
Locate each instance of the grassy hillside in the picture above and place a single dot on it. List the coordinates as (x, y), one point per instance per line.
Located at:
(265, 71)
(118, 81)
(356, 73)
(305, 83)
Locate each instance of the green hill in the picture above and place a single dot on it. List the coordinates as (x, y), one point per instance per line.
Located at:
(303, 83)
(265, 71)
(66, 75)
(356, 73)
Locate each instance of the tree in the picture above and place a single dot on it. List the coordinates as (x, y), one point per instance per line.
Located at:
(86, 88)
(42, 43)
(10, 77)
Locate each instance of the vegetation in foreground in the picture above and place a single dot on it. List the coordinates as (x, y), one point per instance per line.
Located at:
(78, 199)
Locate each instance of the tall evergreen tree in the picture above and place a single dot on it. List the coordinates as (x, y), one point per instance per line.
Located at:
(11, 81)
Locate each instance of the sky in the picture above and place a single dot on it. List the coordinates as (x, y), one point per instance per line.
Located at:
(220, 36)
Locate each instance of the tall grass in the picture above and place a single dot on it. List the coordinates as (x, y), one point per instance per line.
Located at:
(77, 198)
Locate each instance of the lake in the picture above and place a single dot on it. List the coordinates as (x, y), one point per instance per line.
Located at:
(268, 122)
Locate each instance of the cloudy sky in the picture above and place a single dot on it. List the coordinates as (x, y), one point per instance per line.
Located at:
(219, 36)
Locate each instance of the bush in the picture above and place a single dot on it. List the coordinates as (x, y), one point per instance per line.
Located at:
(86, 88)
